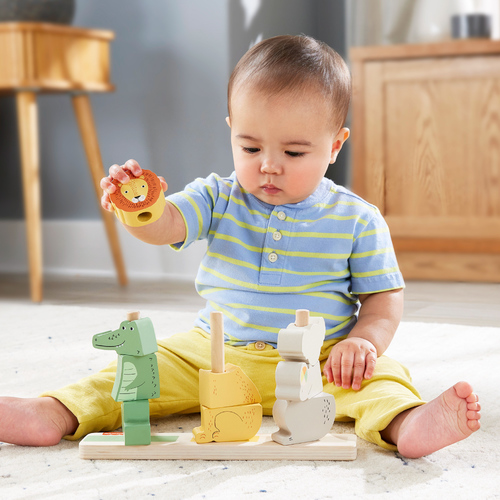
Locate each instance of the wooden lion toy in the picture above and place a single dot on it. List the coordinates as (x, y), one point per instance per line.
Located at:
(140, 201)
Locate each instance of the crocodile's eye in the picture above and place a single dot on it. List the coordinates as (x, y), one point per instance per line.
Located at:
(132, 328)
(123, 328)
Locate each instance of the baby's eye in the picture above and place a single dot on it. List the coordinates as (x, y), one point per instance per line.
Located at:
(294, 154)
(251, 151)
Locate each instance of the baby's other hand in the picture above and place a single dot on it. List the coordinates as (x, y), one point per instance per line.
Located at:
(350, 361)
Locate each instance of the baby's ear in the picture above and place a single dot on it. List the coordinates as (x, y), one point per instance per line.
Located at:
(228, 121)
(338, 142)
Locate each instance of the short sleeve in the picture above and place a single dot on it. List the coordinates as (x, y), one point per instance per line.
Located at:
(196, 203)
(373, 262)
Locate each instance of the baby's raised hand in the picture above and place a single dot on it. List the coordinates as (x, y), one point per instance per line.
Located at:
(119, 172)
(350, 361)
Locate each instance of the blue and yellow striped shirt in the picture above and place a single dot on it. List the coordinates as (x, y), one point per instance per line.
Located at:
(263, 262)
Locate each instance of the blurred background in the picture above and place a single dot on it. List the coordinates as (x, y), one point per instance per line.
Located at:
(170, 61)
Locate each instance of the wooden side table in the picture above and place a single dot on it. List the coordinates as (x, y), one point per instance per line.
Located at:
(41, 57)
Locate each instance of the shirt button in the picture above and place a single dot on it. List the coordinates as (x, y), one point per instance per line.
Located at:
(281, 215)
(273, 257)
(260, 346)
(277, 236)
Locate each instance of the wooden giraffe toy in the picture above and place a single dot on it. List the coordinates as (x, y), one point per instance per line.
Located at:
(302, 410)
(229, 401)
(137, 378)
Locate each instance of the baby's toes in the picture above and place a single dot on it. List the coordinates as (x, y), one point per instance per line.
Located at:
(473, 406)
(473, 415)
(474, 424)
(472, 398)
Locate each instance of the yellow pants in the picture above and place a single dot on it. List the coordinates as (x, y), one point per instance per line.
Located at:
(180, 357)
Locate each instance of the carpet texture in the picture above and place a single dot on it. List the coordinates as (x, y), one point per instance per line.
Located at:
(47, 347)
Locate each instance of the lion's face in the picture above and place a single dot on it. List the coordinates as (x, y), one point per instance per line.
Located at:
(136, 190)
(137, 194)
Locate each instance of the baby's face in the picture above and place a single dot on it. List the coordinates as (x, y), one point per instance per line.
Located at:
(282, 145)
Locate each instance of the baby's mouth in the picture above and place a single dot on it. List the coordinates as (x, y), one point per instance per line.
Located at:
(270, 189)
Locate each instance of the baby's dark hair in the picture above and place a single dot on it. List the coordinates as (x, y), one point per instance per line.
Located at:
(293, 64)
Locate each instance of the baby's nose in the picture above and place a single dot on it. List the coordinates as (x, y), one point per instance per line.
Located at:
(270, 166)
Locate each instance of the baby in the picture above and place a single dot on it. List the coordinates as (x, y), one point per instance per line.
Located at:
(280, 237)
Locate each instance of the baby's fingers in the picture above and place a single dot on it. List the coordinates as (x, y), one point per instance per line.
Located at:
(107, 186)
(118, 172)
(327, 370)
(134, 167)
(337, 370)
(370, 361)
(331, 370)
(163, 183)
(358, 372)
(347, 365)
(106, 203)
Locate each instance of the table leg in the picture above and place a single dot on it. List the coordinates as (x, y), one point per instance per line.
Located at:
(84, 117)
(27, 117)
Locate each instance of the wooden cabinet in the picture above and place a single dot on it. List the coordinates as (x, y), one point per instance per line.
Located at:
(426, 151)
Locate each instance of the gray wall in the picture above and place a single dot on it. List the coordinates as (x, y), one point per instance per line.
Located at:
(170, 63)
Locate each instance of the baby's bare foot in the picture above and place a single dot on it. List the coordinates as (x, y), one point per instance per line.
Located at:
(35, 422)
(451, 417)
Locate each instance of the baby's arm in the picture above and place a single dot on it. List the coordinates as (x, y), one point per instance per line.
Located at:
(354, 358)
(168, 229)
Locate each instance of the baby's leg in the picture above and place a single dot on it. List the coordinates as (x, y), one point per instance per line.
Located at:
(388, 411)
(387, 394)
(35, 422)
(451, 417)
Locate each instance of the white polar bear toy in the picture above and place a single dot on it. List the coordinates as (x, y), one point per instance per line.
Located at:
(302, 411)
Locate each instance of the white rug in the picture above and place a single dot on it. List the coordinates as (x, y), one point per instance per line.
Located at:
(46, 347)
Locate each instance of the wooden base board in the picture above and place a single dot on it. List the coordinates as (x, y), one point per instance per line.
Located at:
(110, 446)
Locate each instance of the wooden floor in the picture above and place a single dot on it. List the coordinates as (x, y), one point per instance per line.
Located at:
(438, 302)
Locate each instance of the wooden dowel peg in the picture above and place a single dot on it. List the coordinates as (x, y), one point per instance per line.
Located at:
(301, 317)
(217, 336)
(133, 315)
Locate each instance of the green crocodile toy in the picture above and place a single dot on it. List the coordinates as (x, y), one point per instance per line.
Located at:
(137, 378)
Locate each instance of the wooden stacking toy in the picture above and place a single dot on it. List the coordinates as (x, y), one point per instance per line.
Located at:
(231, 414)
(302, 411)
(229, 401)
(140, 201)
